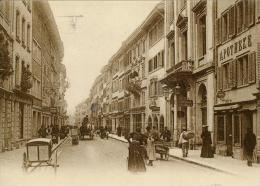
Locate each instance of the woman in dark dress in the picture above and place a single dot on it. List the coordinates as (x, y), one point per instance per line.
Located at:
(135, 157)
(206, 151)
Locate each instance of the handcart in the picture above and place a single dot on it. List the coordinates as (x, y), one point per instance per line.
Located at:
(162, 148)
(38, 153)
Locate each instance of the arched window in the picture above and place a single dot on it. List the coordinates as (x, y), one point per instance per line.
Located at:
(150, 121)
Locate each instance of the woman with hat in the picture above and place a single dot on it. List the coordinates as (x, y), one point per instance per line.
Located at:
(206, 150)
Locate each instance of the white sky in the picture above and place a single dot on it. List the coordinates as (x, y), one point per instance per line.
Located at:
(98, 35)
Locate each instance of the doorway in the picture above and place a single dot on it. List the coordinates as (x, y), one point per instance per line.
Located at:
(229, 138)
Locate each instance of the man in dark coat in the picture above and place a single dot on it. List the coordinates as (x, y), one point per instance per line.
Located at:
(42, 132)
(249, 145)
(206, 150)
(166, 135)
(55, 134)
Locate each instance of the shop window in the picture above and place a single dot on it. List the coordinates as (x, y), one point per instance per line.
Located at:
(220, 128)
(237, 129)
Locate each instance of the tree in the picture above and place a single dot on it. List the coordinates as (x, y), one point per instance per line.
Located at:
(6, 68)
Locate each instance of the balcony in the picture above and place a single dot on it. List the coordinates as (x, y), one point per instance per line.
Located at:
(134, 87)
(181, 71)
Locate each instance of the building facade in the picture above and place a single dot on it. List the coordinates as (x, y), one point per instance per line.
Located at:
(21, 69)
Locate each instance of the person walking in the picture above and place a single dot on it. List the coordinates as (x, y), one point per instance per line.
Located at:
(150, 150)
(206, 150)
(55, 134)
(135, 158)
(249, 145)
(42, 131)
(184, 143)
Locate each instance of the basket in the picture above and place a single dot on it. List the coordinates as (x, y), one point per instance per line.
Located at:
(188, 135)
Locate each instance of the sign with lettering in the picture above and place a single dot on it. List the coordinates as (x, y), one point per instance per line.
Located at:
(236, 46)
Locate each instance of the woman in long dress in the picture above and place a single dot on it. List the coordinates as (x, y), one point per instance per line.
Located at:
(206, 150)
(150, 150)
(135, 158)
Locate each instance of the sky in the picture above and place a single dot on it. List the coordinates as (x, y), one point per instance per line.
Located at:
(96, 37)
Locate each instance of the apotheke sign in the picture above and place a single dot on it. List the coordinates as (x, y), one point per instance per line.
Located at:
(238, 46)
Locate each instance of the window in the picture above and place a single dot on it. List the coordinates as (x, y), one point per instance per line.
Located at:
(237, 129)
(23, 32)
(242, 70)
(17, 71)
(226, 74)
(240, 16)
(232, 25)
(143, 98)
(28, 37)
(156, 33)
(172, 55)
(202, 36)
(220, 128)
(150, 65)
(143, 70)
(155, 64)
(184, 46)
(224, 27)
(143, 46)
(17, 23)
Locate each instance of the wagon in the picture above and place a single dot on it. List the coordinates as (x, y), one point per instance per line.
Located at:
(38, 153)
(162, 148)
(86, 131)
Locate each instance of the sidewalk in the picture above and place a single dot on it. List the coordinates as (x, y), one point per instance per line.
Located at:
(218, 163)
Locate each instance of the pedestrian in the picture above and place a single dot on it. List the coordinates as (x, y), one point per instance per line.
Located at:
(42, 131)
(150, 150)
(155, 134)
(249, 145)
(135, 158)
(166, 135)
(107, 132)
(55, 134)
(184, 143)
(206, 150)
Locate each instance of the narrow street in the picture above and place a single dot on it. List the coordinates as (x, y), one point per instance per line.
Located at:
(103, 162)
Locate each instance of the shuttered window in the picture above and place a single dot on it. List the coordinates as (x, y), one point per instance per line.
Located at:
(224, 27)
(219, 78)
(239, 16)
(251, 67)
(230, 68)
(232, 23)
(251, 13)
(218, 31)
(257, 9)
(245, 70)
(234, 71)
(226, 74)
(239, 71)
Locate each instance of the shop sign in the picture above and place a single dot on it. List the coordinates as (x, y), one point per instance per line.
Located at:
(186, 103)
(53, 110)
(237, 46)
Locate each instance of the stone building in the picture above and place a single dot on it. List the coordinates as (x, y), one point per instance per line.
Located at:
(29, 45)
(47, 68)
(237, 43)
(189, 77)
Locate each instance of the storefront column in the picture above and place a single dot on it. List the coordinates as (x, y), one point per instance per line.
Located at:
(189, 127)
(131, 123)
(175, 137)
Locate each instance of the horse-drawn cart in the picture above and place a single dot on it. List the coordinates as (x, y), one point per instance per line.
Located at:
(86, 131)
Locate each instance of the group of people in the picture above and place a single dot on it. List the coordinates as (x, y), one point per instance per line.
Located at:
(103, 132)
(142, 147)
(53, 131)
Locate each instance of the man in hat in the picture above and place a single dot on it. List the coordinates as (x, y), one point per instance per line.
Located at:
(206, 150)
(184, 143)
(249, 145)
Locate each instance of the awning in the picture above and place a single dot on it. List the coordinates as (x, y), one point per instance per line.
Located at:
(226, 107)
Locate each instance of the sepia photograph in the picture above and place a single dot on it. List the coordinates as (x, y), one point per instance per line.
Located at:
(129, 92)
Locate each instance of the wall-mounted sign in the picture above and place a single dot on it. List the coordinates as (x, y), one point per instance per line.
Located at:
(237, 46)
(185, 103)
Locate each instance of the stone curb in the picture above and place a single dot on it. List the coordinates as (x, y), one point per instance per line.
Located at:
(191, 161)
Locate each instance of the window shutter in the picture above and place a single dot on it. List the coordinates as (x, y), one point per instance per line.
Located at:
(162, 54)
(258, 10)
(240, 75)
(232, 23)
(230, 68)
(150, 89)
(159, 58)
(218, 31)
(251, 12)
(245, 70)
(220, 78)
(251, 67)
(234, 66)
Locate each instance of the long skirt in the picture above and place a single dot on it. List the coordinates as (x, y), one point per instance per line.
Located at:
(135, 159)
(206, 151)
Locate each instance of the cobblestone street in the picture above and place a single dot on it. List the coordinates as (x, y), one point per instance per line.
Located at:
(103, 162)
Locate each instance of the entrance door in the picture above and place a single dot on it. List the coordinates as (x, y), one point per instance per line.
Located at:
(229, 135)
